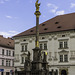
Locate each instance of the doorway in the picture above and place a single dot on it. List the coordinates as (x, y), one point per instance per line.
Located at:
(63, 72)
(7, 73)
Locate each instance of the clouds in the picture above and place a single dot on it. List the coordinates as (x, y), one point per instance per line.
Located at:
(54, 9)
(9, 33)
(3, 1)
(60, 12)
(10, 17)
(72, 5)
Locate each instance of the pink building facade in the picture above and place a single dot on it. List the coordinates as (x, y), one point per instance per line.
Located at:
(6, 56)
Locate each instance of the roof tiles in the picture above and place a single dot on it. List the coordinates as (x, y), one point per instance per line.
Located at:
(6, 42)
(58, 23)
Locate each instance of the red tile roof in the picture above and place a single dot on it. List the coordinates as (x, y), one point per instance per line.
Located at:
(6, 42)
(58, 23)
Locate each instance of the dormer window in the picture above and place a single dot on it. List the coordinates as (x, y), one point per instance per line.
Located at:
(56, 22)
(46, 29)
(59, 27)
(43, 24)
(31, 30)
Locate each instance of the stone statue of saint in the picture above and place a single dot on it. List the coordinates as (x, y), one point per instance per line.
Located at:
(37, 5)
(27, 63)
(28, 55)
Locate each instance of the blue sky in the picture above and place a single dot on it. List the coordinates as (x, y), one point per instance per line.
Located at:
(17, 16)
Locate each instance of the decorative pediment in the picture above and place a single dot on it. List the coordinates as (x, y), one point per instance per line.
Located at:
(63, 51)
(23, 54)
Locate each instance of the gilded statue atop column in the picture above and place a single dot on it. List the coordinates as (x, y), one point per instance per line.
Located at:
(37, 5)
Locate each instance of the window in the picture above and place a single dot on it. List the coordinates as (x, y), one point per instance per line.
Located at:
(24, 47)
(63, 35)
(43, 46)
(9, 63)
(40, 46)
(13, 53)
(61, 58)
(7, 52)
(12, 62)
(6, 62)
(64, 58)
(63, 44)
(60, 44)
(2, 62)
(2, 51)
(22, 60)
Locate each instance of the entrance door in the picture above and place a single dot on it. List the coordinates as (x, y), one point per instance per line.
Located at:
(7, 73)
(63, 72)
(2, 73)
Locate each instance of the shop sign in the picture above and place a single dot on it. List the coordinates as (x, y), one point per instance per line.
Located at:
(1, 70)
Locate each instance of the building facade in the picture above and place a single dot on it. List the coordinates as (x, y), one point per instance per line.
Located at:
(6, 56)
(57, 38)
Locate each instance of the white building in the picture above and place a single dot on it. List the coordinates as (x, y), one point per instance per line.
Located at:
(57, 37)
(6, 56)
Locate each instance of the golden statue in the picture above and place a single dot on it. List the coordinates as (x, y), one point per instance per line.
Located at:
(37, 5)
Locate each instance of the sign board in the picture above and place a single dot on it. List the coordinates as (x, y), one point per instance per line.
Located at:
(1, 70)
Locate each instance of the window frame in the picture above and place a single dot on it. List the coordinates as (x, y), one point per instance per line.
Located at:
(2, 62)
(22, 60)
(24, 47)
(63, 44)
(43, 45)
(3, 52)
(61, 58)
(64, 59)
(7, 52)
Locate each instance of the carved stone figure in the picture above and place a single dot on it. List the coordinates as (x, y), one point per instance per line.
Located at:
(37, 5)
(27, 62)
(39, 55)
(28, 55)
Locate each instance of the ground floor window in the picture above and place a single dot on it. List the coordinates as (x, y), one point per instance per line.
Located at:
(7, 73)
(53, 72)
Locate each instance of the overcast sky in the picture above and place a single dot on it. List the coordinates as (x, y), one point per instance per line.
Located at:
(17, 16)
